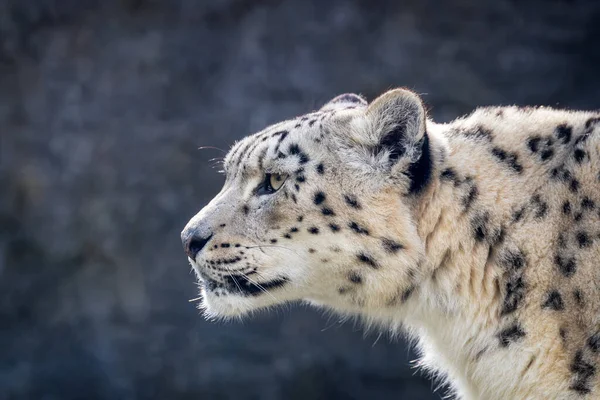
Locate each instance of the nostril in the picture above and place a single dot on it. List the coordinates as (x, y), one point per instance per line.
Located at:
(196, 244)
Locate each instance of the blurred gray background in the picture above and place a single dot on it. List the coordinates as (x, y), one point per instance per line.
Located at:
(103, 105)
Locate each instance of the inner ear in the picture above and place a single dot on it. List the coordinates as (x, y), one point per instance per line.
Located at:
(393, 142)
(397, 121)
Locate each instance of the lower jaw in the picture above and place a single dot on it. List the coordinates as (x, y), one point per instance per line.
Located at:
(241, 286)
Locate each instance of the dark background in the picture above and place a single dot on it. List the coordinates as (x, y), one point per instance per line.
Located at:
(103, 105)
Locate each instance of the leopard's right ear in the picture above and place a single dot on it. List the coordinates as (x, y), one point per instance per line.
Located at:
(344, 101)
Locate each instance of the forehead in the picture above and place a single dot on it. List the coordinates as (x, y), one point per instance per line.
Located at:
(287, 138)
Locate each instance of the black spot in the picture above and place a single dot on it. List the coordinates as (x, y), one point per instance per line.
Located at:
(314, 230)
(540, 207)
(588, 203)
(561, 174)
(327, 211)
(470, 197)
(287, 236)
(511, 334)
(352, 201)
(479, 133)
(512, 260)
(566, 207)
(295, 150)
(590, 123)
(300, 179)
(304, 158)
(583, 371)
(320, 169)
(583, 239)
(406, 294)
(578, 296)
(547, 154)
(225, 245)
(391, 246)
(518, 214)
(563, 334)
(334, 227)
(566, 265)
(420, 170)
(300, 218)
(479, 223)
(282, 135)
(564, 132)
(344, 290)
(364, 258)
(497, 236)
(293, 229)
(554, 301)
(562, 241)
(319, 198)
(245, 209)
(448, 175)
(273, 240)
(594, 342)
(533, 143)
(511, 159)
(354, 277)
(297, 187)
(574, 185)
(515, 292)
(312, 122)
(222, 225)
(357, 228)
(579, 155)
(312, 251)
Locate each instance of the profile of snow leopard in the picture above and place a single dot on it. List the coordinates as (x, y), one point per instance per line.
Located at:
(480, 237)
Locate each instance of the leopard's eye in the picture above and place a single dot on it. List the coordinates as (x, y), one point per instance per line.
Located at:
(271, 184)
(277, 181)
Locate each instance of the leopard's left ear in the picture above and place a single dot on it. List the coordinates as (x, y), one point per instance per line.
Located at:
(397, 122)
(344, 101)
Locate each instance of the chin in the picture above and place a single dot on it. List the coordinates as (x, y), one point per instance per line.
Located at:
(235, 296)
(224, 306)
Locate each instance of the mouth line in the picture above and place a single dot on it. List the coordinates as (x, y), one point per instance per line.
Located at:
(241, 285)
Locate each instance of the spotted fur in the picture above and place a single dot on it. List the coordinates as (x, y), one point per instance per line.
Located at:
(481, 237)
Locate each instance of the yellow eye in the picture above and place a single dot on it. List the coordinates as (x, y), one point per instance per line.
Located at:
(271, 184)
(276, 181)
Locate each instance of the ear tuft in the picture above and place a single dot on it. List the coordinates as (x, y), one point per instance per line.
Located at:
(345, 100)
(397, 120)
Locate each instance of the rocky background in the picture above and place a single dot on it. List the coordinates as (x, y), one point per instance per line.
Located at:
(103, 105)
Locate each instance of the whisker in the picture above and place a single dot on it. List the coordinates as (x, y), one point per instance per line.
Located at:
(236, 282)
(258, 285)
(271, 245)
(211, 147)
(196, 299)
